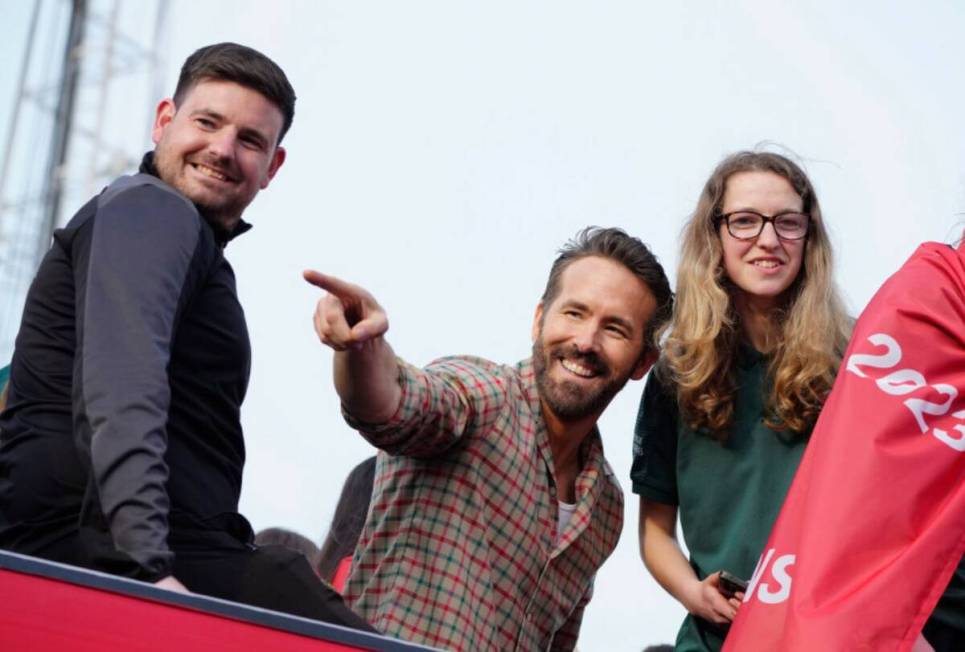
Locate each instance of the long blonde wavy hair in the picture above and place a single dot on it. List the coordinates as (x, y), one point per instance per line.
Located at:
(812, 327)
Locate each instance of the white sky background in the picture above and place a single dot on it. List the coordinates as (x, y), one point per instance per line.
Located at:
(442, 152)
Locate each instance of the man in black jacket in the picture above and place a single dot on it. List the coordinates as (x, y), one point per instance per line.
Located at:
(121, 446)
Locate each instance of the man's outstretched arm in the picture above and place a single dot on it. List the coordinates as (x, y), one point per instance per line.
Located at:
(349, 320)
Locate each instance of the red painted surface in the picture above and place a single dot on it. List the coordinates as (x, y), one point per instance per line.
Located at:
(40, 614)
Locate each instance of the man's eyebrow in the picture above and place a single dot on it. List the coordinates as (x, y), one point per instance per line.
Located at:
(249, 132)
(611, 319)
(208, 112)
(620, 321)
(573, 303)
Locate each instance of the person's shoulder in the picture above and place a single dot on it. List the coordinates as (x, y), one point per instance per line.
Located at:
(929, 271)
(660, 387)
(480, 375)
(146, 212)
(142, 188)
(927, 254)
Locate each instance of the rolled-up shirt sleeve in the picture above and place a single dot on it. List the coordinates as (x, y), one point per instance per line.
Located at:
(439, 405)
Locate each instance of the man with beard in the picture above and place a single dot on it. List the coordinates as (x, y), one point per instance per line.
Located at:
(121, 446)
(493, 506)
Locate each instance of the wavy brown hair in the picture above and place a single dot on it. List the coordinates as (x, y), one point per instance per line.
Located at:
(811, 326)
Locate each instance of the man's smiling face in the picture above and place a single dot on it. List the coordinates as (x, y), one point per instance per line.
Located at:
(589, 341)
(218, 147)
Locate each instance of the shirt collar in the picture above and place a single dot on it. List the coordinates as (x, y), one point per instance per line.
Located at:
(591, 449)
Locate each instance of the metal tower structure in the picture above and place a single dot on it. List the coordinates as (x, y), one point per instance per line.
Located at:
(90, 73)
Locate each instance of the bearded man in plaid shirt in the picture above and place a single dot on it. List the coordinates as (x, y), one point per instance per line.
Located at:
(493, 506)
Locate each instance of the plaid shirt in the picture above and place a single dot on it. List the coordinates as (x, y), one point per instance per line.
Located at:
(460, 550)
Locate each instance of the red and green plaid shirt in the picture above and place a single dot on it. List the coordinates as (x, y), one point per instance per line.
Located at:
(460, 550)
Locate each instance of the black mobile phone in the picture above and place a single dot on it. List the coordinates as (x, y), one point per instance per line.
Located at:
(730, 584)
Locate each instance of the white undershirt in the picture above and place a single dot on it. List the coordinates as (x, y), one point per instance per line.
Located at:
(565, 514)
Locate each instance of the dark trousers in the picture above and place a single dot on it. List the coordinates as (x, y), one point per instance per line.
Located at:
(272, 577)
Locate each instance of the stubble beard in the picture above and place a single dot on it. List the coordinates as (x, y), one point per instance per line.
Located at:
(569, 400)
(171, 168)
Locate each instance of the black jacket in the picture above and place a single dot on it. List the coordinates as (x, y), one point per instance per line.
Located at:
(126, 383)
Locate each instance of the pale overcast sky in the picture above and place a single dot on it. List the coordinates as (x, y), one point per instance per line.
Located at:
(442, 151)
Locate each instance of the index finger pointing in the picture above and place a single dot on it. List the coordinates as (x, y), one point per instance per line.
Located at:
(331, 284)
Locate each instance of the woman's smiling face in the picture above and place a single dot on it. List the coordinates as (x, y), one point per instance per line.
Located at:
(761, 268)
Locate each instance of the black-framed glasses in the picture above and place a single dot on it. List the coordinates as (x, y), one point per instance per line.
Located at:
(747, 225)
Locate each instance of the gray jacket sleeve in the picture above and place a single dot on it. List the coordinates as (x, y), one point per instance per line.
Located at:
(144, 241)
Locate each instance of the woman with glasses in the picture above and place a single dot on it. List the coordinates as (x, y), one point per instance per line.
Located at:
(756, 338)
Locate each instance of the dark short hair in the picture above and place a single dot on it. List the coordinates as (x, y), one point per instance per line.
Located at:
(279, 536)
(244, 66)
(614, 244)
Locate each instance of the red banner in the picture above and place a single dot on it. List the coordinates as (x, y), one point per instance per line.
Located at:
(874, 523)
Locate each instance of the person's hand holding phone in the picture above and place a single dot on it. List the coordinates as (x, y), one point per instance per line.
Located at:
(731, 585)
(705, 599)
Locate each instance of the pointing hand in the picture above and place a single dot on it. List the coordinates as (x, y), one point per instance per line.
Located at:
(348, 316)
